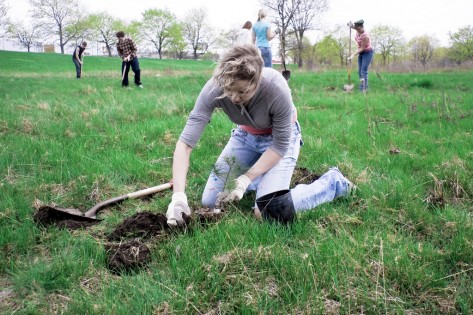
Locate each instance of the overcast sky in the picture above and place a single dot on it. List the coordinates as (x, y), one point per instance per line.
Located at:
(413, 17)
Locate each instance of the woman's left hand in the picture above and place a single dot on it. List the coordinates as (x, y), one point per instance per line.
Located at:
(241, 184)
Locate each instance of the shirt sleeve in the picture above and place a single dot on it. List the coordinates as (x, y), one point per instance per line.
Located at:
(282, 112)
(200, 115)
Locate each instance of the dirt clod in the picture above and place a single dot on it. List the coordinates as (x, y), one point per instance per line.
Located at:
(127, 257)
(142, 224)
(207, 215)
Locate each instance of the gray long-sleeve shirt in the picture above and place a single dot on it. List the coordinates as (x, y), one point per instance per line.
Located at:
(270, 107)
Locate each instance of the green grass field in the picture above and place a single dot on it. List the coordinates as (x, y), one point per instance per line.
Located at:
(402, 245)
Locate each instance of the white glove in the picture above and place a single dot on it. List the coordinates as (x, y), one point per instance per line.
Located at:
(350, 24)
(241, 184)
(176, 208)
(277, 31)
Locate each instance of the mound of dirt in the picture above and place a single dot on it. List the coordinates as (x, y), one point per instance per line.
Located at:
(47, 215)
(127, 257)
(142, 224)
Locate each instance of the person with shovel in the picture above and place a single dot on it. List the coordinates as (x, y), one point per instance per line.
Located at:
(364, 52)
(263, 148)
(78, 59)
(127, 50)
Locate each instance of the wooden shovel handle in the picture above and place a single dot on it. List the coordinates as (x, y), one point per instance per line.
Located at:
(92, 212)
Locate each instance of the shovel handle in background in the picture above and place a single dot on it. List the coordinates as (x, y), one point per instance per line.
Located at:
(285, 73)
(349, 53)
(92, 212)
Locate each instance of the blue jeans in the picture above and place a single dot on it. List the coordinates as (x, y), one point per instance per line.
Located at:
(135, 67)
(244, 149)
(78, 67)
(364, 60)
(267, 56)
(241, 153)
(329, 186)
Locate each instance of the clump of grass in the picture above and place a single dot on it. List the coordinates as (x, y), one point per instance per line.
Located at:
(424, 83)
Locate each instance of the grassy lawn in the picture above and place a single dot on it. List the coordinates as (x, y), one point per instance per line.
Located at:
(403, 244)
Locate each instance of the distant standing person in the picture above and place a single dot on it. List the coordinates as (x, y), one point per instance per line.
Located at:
(127, 50)
(244, 35)
(364, 52)
(77, 58)
(262, 34)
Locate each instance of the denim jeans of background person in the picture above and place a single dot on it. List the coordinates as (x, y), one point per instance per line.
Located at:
(135, 67)
(364, 61)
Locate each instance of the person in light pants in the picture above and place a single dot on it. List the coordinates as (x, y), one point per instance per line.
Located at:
(263, 149)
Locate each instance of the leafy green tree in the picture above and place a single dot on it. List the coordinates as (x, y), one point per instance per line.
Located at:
(156, 28)
(462, 44)
(177, 43)
(58, 18)
(103, 29)
(327, 50)
(386, 40)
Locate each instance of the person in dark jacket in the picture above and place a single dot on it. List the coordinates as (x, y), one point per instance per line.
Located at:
(78, 59)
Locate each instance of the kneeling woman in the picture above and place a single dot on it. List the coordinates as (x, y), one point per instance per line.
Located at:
(262, 151)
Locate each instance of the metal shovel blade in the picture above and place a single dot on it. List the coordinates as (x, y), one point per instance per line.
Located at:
(286, 74)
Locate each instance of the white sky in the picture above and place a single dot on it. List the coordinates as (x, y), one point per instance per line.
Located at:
(413, 17)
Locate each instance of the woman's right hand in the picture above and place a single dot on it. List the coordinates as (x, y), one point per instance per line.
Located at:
(177, 208)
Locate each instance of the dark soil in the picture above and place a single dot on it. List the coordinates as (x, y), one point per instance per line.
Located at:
(47, 215)
(127, 257)
(207, 215)
(143, 224)
(302, 175)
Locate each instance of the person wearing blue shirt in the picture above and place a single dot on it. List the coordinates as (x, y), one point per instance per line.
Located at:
(262, 34)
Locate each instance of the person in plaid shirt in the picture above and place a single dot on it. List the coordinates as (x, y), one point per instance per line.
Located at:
(126, 49)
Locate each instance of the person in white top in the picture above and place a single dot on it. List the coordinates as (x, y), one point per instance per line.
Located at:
(244, 35)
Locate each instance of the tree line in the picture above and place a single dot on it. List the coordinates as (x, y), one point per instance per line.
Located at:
(67, 23)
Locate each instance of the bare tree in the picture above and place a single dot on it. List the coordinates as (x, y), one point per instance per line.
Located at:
(340, 36)
(386, 40)
(104, 27)
(157, 26)
(306, 13)
(282, 14)
(422, 48)
(228, 37)
(58, 18)
(4, 23)
(26, 37)
(198, 34)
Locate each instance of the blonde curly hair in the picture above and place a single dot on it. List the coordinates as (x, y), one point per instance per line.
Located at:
(241, 62)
